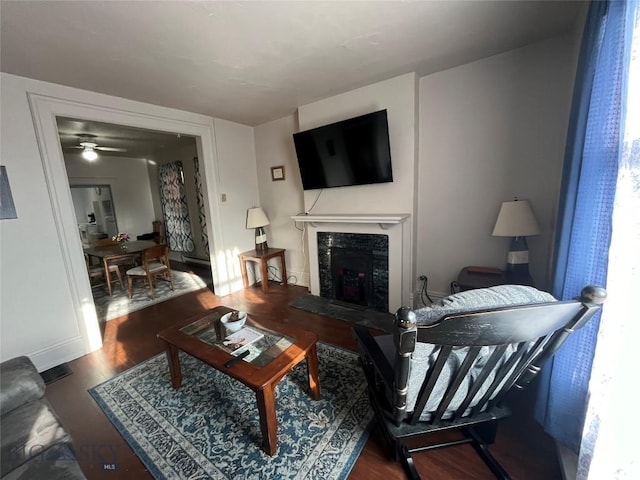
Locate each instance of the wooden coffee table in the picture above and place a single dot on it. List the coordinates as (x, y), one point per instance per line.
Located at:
(270, 360)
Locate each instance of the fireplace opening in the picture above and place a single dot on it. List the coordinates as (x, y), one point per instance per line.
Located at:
(352, 271)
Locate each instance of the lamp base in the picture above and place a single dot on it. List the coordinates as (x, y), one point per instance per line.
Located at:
(261, 240)
(517, 269)
(518, 276)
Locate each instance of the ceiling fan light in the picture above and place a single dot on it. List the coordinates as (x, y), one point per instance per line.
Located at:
(89, 154)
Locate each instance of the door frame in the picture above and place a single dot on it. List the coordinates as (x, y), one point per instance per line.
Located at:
(102, 186)
(44, 110)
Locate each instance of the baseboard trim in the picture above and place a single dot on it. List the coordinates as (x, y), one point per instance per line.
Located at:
(58, 353)
(435, 296)
(297, 278)
(568, 461)
(197, 261)
(176, 256)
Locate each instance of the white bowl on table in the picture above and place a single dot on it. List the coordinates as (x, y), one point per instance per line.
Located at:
(230, 326)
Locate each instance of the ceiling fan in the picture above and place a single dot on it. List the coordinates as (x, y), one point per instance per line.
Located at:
(89, 146)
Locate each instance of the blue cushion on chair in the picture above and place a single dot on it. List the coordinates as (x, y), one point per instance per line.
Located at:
(424, 355)
(481, 298)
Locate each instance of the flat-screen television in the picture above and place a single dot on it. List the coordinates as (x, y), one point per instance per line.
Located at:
(351, 152)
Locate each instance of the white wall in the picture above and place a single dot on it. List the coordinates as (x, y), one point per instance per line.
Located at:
(37, 316)
(491, 130)
(488, 131)
(82, 203)
(283, 198)
(152, 171)
(130, 188)
(46, 310)
(398, 97)
(238, 181)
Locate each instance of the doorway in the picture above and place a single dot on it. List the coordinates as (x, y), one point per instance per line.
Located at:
(136, 174)
(95, 212)
(45, 109)
(155, 178)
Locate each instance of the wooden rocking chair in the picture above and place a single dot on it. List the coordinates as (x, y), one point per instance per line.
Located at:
(469, 363)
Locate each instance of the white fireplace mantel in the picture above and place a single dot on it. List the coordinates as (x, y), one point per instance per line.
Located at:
(384, 220)
(395, 226)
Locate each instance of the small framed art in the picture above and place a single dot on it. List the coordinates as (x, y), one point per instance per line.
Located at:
(277, 173)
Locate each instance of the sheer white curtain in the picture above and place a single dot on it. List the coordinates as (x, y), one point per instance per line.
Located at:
(609, 449)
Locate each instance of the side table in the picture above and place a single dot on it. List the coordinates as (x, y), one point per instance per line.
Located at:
(262, 258)
(479, 277)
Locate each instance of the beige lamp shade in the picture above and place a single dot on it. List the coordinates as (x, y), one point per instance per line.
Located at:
(256, 218)
(516, 219)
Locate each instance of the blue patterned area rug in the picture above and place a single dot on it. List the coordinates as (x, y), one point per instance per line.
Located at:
(108, 308)
(210, 428)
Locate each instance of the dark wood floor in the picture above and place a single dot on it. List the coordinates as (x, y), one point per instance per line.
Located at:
(522, 448)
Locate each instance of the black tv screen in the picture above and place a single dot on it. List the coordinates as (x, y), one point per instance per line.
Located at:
(351, 152)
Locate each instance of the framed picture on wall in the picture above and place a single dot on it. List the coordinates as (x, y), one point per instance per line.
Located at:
(277, 173)
(7, 208)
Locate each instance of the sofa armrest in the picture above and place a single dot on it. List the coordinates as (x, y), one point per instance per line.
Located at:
(20, 383)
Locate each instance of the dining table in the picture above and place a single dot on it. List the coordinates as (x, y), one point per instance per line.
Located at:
(120, 253)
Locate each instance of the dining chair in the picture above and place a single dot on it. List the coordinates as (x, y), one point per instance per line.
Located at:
(96, 271)
(155, 263)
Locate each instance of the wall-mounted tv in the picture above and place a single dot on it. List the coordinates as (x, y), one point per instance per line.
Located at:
(351, 152)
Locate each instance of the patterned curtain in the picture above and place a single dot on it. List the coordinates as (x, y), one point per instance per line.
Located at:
(202, 218)
(174, 207)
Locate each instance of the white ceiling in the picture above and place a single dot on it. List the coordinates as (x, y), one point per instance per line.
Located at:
(252, 62)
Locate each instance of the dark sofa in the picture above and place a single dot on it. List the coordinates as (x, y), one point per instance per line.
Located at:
(35, 445)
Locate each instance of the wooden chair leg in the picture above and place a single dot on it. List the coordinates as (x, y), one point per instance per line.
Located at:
(119, 278)
(130, 282)
(150, 282)
(108, 282)
(170, 278)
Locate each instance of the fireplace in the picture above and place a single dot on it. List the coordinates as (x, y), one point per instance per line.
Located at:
(354, 268)
(351, 276)
(395, 229)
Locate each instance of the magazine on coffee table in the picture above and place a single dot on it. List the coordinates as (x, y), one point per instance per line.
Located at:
(240, 340)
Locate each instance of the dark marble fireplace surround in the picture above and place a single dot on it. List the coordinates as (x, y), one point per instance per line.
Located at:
(354, 268)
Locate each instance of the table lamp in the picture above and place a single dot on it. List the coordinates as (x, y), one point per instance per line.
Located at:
(516, 220)
(256, 218)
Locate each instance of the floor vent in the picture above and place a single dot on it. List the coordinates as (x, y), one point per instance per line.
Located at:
(56, 373)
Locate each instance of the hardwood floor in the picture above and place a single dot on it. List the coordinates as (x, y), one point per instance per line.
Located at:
(521, 446)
